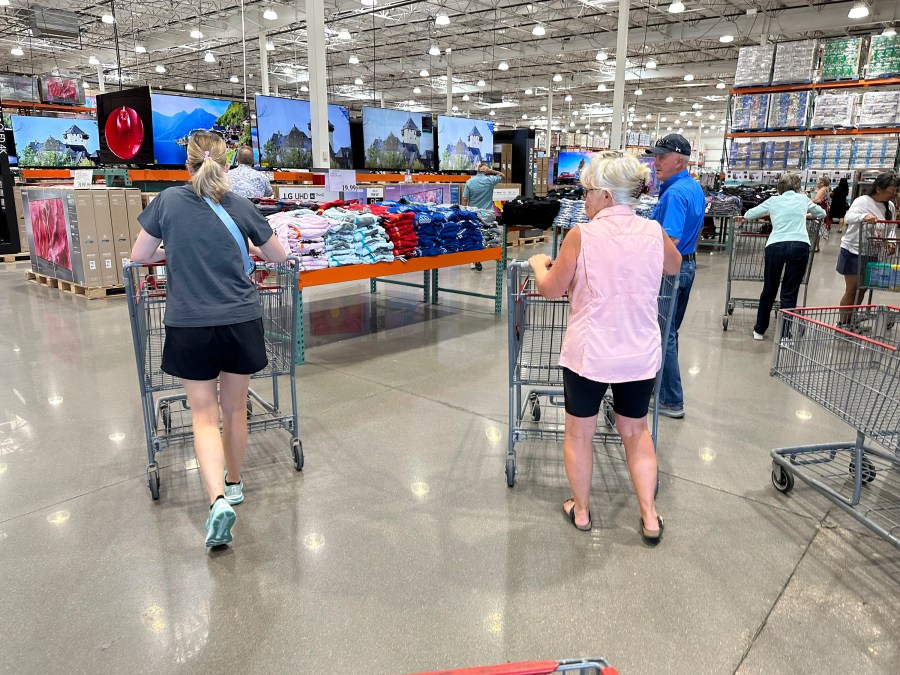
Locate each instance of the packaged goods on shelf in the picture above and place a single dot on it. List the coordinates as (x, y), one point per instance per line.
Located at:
(795, 62)
(884, 57)
(830, 153)
(745, 154)
(754, 66)
(785, 155)
(879, 109)
(840, 59)
(834, 111)
(749, 112)
(788, 110)
(874, 152)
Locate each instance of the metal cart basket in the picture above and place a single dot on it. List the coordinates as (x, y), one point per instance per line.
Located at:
(746, 245)
(596, 666)
(879, 257)
(536, 329)
(857, 378)
(167, 419)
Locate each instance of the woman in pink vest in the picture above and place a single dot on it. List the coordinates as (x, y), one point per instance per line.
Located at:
(611, 267)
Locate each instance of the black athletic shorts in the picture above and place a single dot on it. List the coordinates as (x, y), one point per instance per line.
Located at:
(583, 396)
(202, 353)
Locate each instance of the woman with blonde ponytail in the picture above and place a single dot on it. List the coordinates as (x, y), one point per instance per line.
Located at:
(214, 332)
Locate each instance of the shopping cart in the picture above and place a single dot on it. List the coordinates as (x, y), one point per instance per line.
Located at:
(879, 257)
(857, 378)
(596, 666)
(167, 419)
(536, 329)
(746, 244)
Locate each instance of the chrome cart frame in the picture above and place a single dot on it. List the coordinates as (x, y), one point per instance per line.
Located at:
(595, 666)
(167, 419)
(879, 257)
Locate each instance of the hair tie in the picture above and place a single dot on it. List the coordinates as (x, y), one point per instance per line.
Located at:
(641, 189)
(206, 154)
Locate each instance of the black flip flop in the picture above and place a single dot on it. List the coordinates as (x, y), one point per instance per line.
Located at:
(652, 537)
(571, 515)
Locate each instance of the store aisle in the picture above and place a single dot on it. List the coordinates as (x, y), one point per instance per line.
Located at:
(400, 548)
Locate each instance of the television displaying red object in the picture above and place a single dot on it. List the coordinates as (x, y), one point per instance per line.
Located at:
(62, 90)
(126, 127)
(48, 227)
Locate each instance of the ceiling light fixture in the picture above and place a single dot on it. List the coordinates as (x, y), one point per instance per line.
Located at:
(529, 92)
(465, 97)
(434, 50)
(638, 92)
(303, 87)
(417, 90)
(726, 39)
(189, 87)
(676, 8)
(17, 51)
(720, 85)
(140, 49)
(602, 56)
(354, 60)
(524, 116)
(651, 65)
(196, 34)
(669, 99)
(270, 46)
(663, 119)
(455, 108)
(209, 58)
(233, 79)
(690, 123)
(543, 108)
(503, 65)
(368, 3)
(890, 31)
(492, 113)
(688, 78)
(94, 61)
(423, 73)
(108, 18)
(358, 80)
(538, 30)
(442, 19)
(601, 87)
(557, 78)
(860, 10)
(160, 69)
(568, 98)
(270, 14)
(288, 70)
(480, 83)
(344, 34)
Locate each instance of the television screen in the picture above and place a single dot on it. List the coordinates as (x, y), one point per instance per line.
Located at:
(464, 143)
(55, 141)
(396, 139)
(126, 127)
(569, 166)
(62, 90)
(175, 117)
(8, 141)
(285, 134)
(48, 227)
(19, 88)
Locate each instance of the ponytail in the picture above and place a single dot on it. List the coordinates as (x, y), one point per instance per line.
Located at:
(208, 161)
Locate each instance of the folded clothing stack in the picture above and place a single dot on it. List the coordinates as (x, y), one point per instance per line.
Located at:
(399, 228)
(645, 206)
(571, 213)
(462, 231)
(491, 231)
(721, 204)
(355, 238)
(302, 233)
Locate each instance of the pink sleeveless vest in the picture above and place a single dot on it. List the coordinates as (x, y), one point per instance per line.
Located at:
(613, 334)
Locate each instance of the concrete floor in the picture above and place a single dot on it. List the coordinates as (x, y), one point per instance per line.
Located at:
(400, 548)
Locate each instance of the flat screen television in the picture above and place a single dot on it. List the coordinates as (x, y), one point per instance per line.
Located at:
(569, 166)
(397, 139)
(55, 141)
(8, 140)
(126, 127)
(175, 117)
(464, 143)
(62, 90)
(285, 134)
(19, 88)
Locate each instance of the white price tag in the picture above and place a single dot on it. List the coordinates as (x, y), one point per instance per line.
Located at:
(375, 193)
(83, 177)
(341, 180)
(505, 194)
(307, 193)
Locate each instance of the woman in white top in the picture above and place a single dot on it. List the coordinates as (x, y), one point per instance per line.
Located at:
(875, 206)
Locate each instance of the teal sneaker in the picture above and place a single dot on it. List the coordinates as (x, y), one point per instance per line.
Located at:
(219, 523)
(234, 494)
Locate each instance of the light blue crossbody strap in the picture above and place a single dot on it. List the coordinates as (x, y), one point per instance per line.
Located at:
(235, 232)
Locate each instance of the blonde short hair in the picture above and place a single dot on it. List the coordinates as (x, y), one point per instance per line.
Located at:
(207, 160)
(623, 175)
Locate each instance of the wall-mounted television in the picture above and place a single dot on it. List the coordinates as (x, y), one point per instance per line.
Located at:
(397, 139)
(62, 90)
(464, 143)
(126, 127)
(569, 166)
(55, 141)
(285, 134)
(175, 117)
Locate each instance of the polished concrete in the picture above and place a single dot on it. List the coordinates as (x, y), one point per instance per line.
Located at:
(399, 548)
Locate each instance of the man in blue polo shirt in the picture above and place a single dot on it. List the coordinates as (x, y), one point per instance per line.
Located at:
(680, 212)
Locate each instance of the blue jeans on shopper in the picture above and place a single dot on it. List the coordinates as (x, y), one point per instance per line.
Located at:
(671, 395)
(788, 258)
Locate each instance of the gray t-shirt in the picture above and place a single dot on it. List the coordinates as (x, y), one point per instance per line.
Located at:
(206, 283)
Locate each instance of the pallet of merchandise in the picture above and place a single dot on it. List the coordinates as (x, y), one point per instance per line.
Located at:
(524, 241)
(24, 256)
(74, 289)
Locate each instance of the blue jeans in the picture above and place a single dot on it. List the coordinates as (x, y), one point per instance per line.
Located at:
(671, 395)
(790, 259)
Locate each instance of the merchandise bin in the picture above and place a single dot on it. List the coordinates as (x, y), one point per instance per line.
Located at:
(754, 66)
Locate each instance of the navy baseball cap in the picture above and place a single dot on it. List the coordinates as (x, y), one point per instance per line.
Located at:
(671, 143)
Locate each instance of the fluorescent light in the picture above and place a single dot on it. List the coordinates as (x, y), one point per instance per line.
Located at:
(233, 79)
(538, 30)
(140, 49)
(651, 65)
(209, 58)
(663, 119)
(524, 116)
(94, 61)
(669, 99)
(368, 3)
(344, 34)
(676, 8)
(602, 56)
(638, 92)
(688, 78)
(4, 3)
(720, 85)
(601, 87)
(503, 65)
(358, 80)
(354, 60)
(455, 109)
(270, 46)
(270, 14)
(442, 19)
(860, 10)
(480, 83)
(17, 51)
(196, 34)
(434, 50)
(557, 78)
(529, 92)
(417, 90)
(890, 31)
(160, 69)
(189, 87)
(303, 87)
(465, 97)
(568, 98)
(107, 18)
(726, 39)
(423, 73)
(492, 113)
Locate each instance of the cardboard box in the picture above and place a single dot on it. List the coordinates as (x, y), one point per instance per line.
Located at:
(134, 200)
(103, 219)
(90, 247)
(118, 211)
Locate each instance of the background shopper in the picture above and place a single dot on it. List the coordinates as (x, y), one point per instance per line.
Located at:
(839, 203)
(821, 198)
(478, 193)
(611, 267)
(680, 212)
(214, 331)
(245, 180)
(787, 248)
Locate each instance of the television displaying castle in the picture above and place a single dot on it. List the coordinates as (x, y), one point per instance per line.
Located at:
(52, 141)
(396, 139)
(285, 134)
(465, 143)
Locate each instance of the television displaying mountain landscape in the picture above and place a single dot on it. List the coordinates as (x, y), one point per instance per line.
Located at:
(464, 143)
(55, 141)
(285, 134)
(175, 117)
(397, 139)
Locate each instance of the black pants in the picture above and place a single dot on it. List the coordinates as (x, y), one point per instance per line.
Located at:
(790, 259)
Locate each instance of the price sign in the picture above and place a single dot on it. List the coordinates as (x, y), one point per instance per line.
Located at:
(341, 180)
(375, 193)
(505, 194)
(84, 178)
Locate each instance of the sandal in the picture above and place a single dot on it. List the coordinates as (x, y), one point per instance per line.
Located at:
(652, 537)
(571, 515)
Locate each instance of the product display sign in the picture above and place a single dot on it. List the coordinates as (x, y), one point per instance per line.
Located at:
(285, 134)
(55, 141)
(396, 139)
(125, 121)
(175, 118)
(464, 143)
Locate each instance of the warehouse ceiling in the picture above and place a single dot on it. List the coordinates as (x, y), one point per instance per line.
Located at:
(392, 41)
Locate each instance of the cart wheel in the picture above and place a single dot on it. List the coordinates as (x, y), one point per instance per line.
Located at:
(781, 479)
(165, 416)
(868, 470)
(249, 408)
(153, 481)
(730, 309)
(297, 452)
(724, 323)
(536, 411)
(511, 471)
